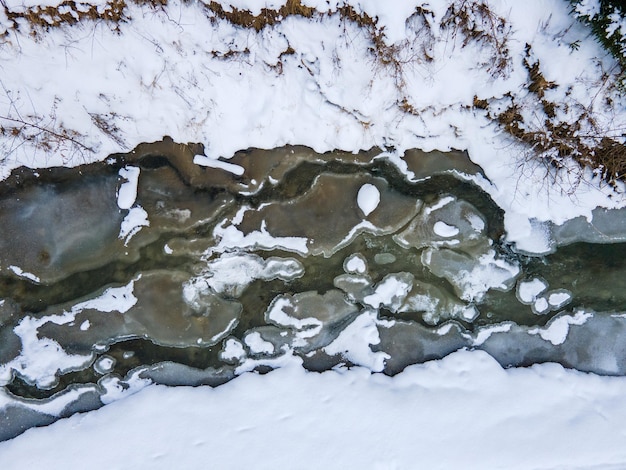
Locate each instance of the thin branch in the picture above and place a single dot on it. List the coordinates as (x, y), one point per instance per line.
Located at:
(43, 129)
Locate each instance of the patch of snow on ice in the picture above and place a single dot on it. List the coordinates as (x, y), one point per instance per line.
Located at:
(444, 230)
(490, 273)
(127, 192)
(41, 359)
(26, 275)
(308, 327)
(444, 201)
(233, 350)
(485, 333)
(257, 344)
(390, 292)
(231, 237)
(368, 198)
(136, 218)
(113, 299)
(528, 291)
(557, 329)
(203, 160)
(559, 298)
(116, 388)
(355, 263)
(231, 273)
(52, 406)
(541, 306)
(355, 340)
(476, 222)
(104, 365)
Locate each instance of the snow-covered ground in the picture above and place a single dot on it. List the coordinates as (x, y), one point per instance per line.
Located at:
(461, 412)
(75, 94)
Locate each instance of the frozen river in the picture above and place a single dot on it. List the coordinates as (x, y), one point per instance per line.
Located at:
(150, 268)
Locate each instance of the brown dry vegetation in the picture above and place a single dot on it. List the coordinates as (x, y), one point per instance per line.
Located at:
(554, 141)
(475, 22)
(267, 17)
(66, 13)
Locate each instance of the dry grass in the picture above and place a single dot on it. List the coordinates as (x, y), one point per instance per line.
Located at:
(553, 141)
(66, 13)
(267, 17)
(538, 84)
(475, 22)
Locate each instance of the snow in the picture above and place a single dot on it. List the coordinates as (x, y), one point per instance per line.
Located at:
(231, 237)
(203, 160)
(322, 96)
(355, 264)
(26, 275)
(541, 306)
(527, 291)
(355, 340)
(444, 230)
(233, 350)
(558, 299)
(557, 329)
(136, 218)
(257, 344)
(464, 411)
(368, 198)
(127, 192)
(390, 292)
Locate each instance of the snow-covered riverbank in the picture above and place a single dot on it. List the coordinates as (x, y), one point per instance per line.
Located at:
(179, 70)
(461, 412)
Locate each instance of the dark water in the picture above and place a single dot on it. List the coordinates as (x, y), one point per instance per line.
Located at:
(226, 273)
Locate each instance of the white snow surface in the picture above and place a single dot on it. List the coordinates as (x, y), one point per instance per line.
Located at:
(464, 411)
(203, 160)
(136, 218)
(257, 344)
(26, 275)
(444, 230)
(368, 198)
(127, 193)
(355, 264)
(557, 329)
(527, 291)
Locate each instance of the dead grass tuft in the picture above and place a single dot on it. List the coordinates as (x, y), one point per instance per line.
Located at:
(267, 17)
(475, 22)
(538, 83)
(67, 13)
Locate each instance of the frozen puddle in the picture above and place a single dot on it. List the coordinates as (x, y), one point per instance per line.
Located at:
(153, 269)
